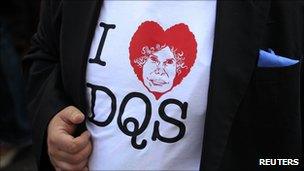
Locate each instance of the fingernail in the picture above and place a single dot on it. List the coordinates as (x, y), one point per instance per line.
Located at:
(77, 116)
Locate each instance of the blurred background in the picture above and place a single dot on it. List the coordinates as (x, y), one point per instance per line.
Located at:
(18, 22)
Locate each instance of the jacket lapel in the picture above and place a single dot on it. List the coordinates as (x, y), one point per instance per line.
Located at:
(238, 34)
(79, 22)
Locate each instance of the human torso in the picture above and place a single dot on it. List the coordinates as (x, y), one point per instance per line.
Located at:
(148, 96)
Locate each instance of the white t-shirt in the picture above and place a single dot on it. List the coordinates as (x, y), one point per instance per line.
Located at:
(147, 84)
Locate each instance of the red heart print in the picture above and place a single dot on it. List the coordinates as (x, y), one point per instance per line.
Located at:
(160, 58)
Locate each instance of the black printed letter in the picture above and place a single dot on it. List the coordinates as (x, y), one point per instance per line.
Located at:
(102, 41)
(137, 128)
(162, 114)
(96, 88)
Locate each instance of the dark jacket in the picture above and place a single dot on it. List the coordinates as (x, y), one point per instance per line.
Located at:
(252, 113)
(21, 18)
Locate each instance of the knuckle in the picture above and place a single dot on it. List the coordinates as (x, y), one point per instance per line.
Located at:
(50, 141)
(50, 152)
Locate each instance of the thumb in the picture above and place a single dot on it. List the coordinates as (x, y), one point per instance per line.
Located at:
(72, 116)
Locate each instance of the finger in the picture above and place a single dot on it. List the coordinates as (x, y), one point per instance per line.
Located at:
(71, 115)
(69, 144)
(63, 141)
(74, 167)
(73, 158)
(81, 141)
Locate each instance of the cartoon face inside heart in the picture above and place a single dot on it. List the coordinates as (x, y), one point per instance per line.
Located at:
(160, 58)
